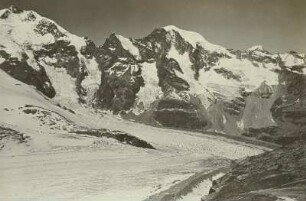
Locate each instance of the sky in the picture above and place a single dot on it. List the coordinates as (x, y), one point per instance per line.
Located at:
(278, 25)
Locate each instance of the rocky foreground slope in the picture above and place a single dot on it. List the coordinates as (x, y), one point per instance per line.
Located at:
(172, 77)
(279, 175)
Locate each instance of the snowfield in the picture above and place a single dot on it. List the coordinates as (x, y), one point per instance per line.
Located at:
(54, 164)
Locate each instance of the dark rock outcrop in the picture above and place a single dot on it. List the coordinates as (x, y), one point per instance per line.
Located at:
(117, 135)
(180, 114)
(47, 27)
(270, 176)
(8, 134)
(21, 71)
(120, 80)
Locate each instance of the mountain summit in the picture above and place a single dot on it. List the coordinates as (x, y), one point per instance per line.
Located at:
(39, 52)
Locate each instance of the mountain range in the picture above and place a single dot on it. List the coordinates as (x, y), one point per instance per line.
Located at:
(170, 78)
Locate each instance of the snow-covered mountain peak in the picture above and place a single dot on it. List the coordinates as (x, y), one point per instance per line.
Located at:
(4, 13)
(48, 54)
(195, 39)
(27, 30)
(28, 27)
(191, 37)
(16, 15)
(256, 47)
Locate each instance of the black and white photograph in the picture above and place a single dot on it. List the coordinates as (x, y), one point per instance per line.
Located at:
(152, 100)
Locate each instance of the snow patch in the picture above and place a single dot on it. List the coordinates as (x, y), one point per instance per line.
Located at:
(290, 60)
(2, 60)
(240, 124)
(128, 45)
(285, 199)
(224, 119)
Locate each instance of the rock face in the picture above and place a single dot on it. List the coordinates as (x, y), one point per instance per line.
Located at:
(133, 70)
(275, 175)
(171, 77)
(288, 111)
(121, 78)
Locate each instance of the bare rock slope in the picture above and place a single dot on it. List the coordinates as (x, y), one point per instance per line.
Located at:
(273, 176)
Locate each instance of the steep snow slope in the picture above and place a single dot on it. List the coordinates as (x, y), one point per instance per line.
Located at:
(54, 164)
(129, 46)
(28, 39)
(15, 99)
